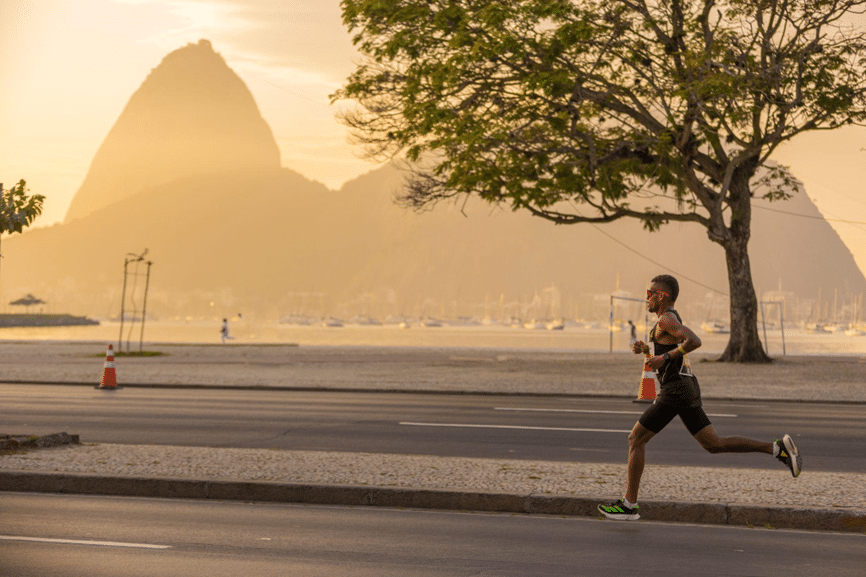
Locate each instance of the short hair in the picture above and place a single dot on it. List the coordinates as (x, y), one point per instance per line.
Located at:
(669, 283)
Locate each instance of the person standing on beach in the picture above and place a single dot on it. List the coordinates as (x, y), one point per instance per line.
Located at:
(680, 396)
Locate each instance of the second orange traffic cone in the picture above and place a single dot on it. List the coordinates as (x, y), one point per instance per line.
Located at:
(648, 382)
(109, 378)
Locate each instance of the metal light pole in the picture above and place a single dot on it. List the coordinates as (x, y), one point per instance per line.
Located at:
(144, 307)
(122, 301)
(614, 298)
(131, 257)
(781, 323)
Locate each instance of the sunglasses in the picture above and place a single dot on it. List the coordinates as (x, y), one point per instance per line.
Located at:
(650, 293)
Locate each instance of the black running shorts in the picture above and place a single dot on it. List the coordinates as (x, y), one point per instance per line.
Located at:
(680, 397)
(658, 415)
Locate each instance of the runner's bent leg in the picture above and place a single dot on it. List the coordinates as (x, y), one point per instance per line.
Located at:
(637, 440)
(710, 441)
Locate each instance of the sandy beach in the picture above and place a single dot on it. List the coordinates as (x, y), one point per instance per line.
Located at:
(512, 371)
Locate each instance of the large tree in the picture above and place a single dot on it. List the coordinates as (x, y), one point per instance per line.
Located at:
(596, 110)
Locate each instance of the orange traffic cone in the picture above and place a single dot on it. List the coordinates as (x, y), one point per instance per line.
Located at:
(109, 378)
(648, 382)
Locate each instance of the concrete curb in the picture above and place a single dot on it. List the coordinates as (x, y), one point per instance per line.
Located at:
(837, 520)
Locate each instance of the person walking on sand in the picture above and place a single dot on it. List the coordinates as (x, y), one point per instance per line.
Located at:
(632, 339)
(224, 331)
(680, 396)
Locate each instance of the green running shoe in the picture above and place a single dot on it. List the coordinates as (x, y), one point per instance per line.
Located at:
(619, 511)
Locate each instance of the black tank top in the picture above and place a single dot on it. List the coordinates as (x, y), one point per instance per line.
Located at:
(674, 367)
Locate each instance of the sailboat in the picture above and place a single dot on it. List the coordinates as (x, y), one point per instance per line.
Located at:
(855, 332)
(714, 326)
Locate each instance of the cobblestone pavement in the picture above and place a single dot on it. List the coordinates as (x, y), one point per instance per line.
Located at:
(601, 481)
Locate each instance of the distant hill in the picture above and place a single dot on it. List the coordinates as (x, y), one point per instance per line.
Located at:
(192, 115)
(491, 251)
(273, 241)
(191, 172)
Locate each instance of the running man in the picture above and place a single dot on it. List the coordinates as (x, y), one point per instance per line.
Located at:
(679, 395)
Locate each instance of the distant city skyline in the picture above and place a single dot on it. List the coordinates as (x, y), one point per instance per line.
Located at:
(70, 66)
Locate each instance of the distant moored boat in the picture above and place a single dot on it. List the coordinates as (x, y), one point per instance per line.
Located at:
(716, 327)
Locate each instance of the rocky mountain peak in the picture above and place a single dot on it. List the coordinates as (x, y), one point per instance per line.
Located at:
(192, 115)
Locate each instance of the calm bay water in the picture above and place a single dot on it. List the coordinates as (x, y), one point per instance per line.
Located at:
(797, 342)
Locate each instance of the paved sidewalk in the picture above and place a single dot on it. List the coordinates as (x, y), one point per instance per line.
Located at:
(757, 497)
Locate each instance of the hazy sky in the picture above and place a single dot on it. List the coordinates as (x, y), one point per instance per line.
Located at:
(68, 67)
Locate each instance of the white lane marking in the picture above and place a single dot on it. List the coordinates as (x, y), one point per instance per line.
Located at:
(76, 542)
(590, 411)
(723, 404)
(522, 428)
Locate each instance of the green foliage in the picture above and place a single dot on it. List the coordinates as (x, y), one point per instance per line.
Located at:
(596, 110)
(17, 210)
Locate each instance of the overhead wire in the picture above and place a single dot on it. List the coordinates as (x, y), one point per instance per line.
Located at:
(857, 224)
(812, 216)
(643, 256)
(667, 268)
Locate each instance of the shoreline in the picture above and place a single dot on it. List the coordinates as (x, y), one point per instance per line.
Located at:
(33, 320)
(475, 337)
(705, 354)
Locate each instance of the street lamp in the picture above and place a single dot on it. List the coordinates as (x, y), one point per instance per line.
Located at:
(136, 258)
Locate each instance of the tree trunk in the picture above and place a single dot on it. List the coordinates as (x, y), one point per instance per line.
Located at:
(744, 345)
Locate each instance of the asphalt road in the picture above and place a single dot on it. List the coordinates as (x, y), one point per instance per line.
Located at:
(61, 535)
(831, 437)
